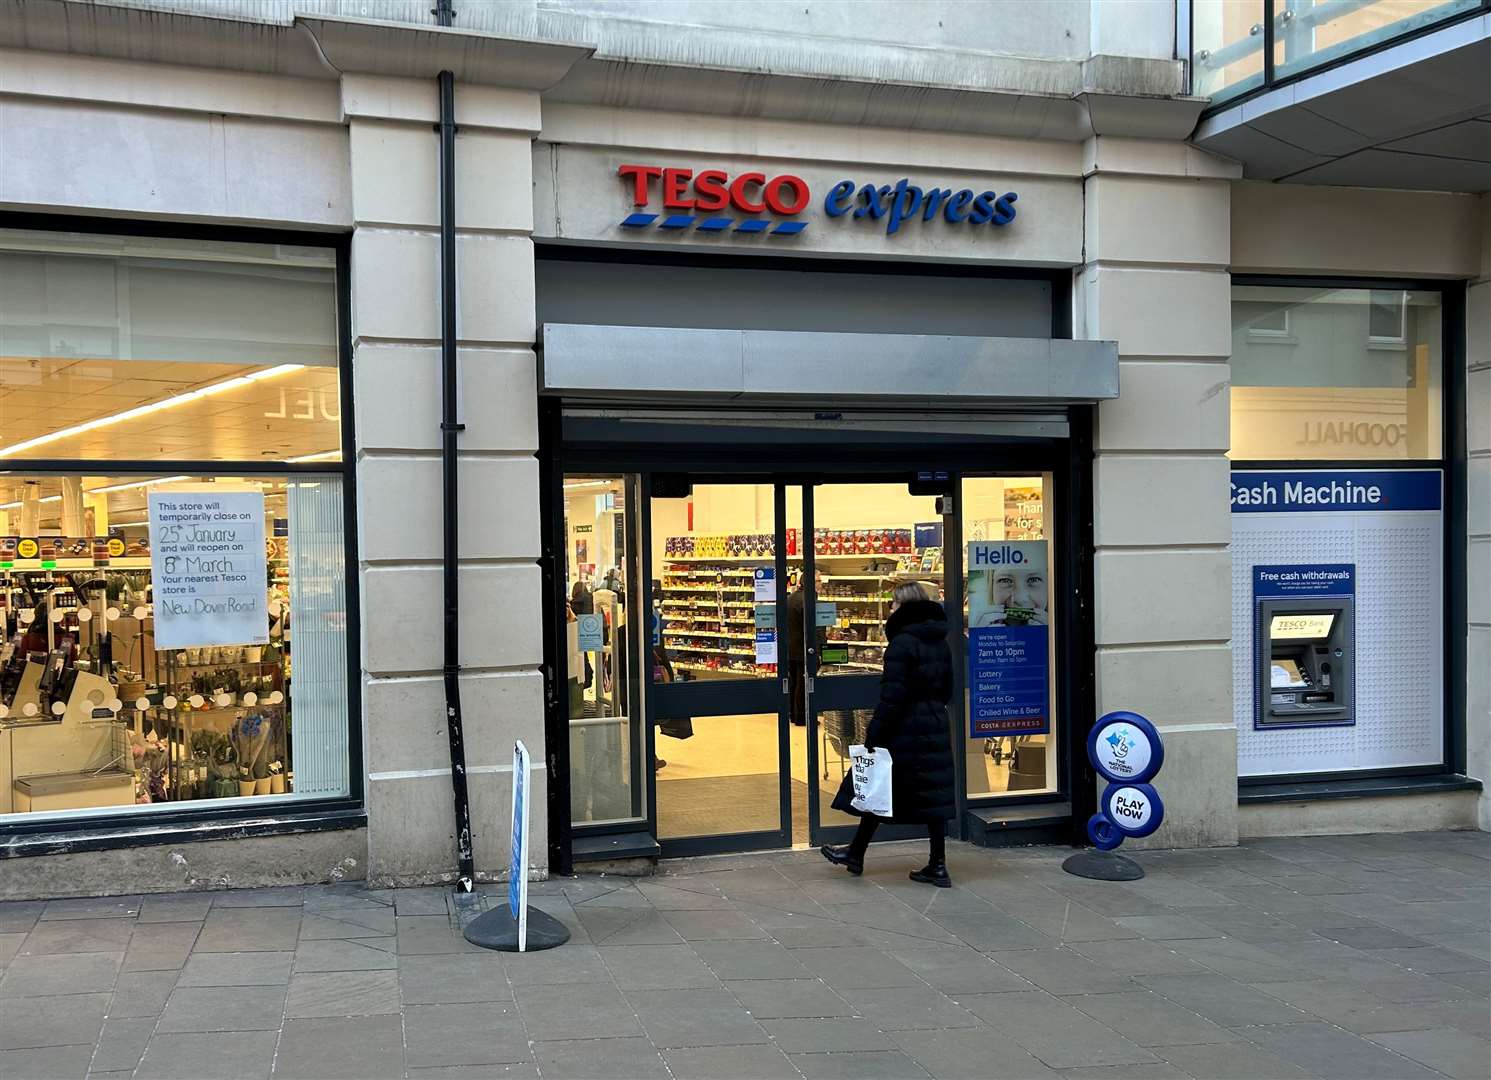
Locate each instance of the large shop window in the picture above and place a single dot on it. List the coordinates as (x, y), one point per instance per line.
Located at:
(1323, 373)
(173, 634)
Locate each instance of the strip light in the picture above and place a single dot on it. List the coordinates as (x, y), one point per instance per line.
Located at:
(235, 383)
(324, 455)
(102, 490)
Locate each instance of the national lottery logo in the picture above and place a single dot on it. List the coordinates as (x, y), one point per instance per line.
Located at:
(1120, 742)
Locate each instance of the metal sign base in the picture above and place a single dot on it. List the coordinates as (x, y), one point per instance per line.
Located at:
(1098, 865)
(497, 929)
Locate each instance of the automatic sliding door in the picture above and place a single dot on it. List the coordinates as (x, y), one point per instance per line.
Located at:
(719, 555)
(867, 539)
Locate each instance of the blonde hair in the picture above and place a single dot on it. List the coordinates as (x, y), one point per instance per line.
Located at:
(908, 591)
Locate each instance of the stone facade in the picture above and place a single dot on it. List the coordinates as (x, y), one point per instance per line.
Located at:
(303, 122)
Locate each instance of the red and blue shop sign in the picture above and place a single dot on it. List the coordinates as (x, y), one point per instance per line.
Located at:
(714, 201)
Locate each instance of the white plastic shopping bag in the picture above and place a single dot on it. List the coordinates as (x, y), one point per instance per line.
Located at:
(871, 772)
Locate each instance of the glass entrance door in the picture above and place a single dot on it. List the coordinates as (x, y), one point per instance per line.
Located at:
(866, 539)
(719, 557)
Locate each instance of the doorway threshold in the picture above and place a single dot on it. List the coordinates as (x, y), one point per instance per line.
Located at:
(1019, 826)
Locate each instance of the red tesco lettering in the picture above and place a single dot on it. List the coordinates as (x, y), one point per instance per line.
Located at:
(713, 189)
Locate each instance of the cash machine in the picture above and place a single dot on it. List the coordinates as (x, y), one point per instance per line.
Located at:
(1305, 662)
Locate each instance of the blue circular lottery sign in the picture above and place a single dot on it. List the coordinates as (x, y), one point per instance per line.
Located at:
(1125, 748)
(1134, 808)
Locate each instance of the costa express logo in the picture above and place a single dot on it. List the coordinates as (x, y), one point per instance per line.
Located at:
(711, 199)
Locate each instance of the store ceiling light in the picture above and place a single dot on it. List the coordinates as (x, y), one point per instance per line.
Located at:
(324, 455)
(104, 490)
(235, 383)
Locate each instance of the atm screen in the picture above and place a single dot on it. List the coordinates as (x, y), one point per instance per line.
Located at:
(1298, 626)
(1285, 674)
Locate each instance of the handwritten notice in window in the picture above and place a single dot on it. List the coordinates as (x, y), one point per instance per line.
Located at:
(207, 558)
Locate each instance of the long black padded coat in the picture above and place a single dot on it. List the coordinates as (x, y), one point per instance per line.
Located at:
(911, 719)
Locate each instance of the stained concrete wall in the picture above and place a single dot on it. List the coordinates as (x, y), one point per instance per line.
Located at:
(1155, 280)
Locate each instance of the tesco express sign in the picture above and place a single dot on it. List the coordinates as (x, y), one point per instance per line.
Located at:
(715, 201)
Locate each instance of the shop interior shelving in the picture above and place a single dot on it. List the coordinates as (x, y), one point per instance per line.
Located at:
(708, 608)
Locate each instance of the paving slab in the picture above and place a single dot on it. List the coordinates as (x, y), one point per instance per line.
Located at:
(909, 1008)
(473, 1034)
(28, 1023)
(121, 1044)
(749, 1062)
(1448, 1050)
(273, 929)
(955, 969)
(224, 1008)
(67, 973)
(223, 1055)
(770, 999)
(730, 960)
(342, 1049)
(838, 1035)
(453, 980)
(47, 1063)
(1150, 1020)
(91, 935)
(600, 1059)
(142, 994)
(969, 1054)
(889, 1064)
(1231, 1061)
(595, 1011)
(860, 967)
(1329, 1052)
(1055, 1033)
(343, 993)
(163, 946)
(683, 1018)
(237, 969)
(657, 967)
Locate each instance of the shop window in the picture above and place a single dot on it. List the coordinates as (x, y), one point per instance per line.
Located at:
(171, 639)
(1355, 374)
(1009, 592)
(604, 647)
(118, 347)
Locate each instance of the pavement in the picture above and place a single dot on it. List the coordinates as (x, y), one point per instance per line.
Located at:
(1350, 957)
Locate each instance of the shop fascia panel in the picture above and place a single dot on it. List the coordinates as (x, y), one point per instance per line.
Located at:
(645, 361)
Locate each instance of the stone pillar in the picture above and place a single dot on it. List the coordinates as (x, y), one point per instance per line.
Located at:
(1478, 500)
(1155, 280)
(396, 375)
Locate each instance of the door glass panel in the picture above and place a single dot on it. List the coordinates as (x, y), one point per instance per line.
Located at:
(715, 551)
(718, 762)
(867, 540)
(1009, 741)
(720, 777)
(606, 734)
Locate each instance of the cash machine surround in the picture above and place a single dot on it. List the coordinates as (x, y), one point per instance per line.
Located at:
(1306, 662)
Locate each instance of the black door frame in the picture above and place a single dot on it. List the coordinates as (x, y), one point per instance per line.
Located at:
(853, 457)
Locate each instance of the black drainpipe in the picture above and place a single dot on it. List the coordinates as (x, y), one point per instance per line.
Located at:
(449, 428)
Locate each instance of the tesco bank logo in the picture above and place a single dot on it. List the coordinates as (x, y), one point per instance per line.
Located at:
(715, 201)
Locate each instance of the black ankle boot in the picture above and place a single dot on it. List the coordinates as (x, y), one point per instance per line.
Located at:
(843, 856)
(933, 874)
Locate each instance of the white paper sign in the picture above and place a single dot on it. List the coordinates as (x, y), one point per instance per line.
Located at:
(207, 558)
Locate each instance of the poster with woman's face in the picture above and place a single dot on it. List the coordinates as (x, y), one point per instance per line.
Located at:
(1007, 583)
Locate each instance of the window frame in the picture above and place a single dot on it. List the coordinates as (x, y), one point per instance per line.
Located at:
(1452, 463)
(199, 817)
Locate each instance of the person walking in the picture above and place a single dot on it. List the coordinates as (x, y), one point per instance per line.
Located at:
(911, 721)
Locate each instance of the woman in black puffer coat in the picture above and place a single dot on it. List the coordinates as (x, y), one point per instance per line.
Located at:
(911, 721)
